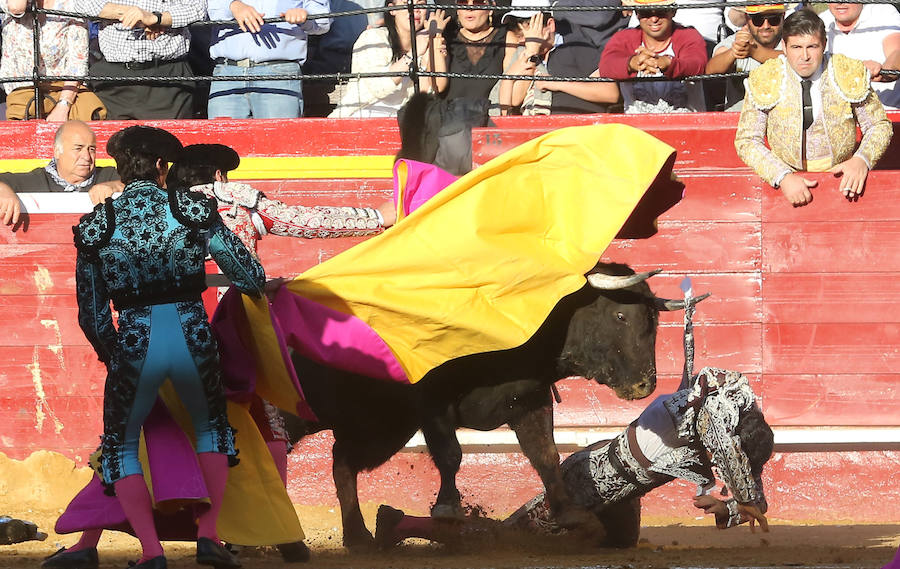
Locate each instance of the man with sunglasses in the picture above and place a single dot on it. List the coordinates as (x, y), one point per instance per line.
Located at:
(754, 44)
(808, 107)
(658, 47)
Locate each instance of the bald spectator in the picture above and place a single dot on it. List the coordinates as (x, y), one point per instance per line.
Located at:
(72, 169)
(145, 38)
(870, 33)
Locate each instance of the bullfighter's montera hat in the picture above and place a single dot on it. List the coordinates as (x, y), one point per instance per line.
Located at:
(145, 140)
(223, 157)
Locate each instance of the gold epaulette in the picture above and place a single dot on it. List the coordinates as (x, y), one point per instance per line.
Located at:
(766, 84)
(850, 77)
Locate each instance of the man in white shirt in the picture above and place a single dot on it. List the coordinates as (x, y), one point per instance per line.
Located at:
(870, 33)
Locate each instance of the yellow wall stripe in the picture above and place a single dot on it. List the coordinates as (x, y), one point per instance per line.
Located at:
(271, 167)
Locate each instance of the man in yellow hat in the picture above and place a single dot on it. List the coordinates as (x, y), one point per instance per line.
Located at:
(808, 107)
(657, 47)
(758, 41)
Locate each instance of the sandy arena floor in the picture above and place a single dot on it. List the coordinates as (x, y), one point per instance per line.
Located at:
(38, 488)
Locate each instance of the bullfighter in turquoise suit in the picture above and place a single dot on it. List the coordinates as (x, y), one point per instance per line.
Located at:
(145, 252)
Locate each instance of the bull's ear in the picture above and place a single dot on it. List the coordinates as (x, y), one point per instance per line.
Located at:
(667, 305)
(613, 282)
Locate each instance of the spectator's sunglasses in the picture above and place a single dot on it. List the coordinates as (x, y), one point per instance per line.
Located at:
(658, 12)
(773, 19)
(474, 2)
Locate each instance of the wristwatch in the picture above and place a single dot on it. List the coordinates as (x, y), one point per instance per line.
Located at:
(64, 102)
(158, 18)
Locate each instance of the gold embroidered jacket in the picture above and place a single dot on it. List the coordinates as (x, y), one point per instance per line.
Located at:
(773, 109)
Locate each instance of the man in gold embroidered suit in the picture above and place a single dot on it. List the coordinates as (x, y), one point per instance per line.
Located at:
(808, 107)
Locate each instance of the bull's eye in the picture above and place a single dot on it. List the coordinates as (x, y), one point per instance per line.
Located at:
(620, 317)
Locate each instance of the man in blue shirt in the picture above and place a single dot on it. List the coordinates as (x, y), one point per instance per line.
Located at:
(258, 48)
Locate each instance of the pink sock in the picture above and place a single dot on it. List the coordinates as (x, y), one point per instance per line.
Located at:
(278, 449)
(215, 474)
(90, 538)
(135, 500)
(414, 526)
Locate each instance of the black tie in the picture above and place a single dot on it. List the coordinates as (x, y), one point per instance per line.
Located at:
(806, 84)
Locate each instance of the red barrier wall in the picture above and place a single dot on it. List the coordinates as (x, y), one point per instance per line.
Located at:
(802, 302)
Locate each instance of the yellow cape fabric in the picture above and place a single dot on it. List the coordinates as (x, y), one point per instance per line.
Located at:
(256, 509)
(480, 265)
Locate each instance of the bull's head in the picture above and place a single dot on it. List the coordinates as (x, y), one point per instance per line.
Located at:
(612, 334)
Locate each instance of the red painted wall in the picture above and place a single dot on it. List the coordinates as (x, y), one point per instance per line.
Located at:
(803, 302)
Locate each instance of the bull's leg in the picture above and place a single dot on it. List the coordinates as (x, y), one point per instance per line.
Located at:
(354, 527)
(534, 429)
(440, 436)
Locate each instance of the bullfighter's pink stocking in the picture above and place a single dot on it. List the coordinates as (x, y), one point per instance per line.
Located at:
(215, 473)
(89, 538)
(135, 500)
(895, 563)
(279, 455)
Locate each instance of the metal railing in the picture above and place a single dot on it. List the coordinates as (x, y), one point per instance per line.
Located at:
(414, 72)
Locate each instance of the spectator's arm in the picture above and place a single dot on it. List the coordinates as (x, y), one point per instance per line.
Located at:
(512, 92)
(752, 150)
(313, 26)
(891, 46)
(690, 55)
(74, 62)
(372, 56)
(595, 92)
(615, 58)
(763, 54)
(876, 129)
(10, 207)
(722, 60)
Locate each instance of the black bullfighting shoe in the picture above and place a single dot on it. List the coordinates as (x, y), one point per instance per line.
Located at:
(158, 562)
(296, 552)
(211, 553)
(386, 521)
(65, 559)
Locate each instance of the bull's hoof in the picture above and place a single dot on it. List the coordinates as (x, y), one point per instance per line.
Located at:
(447, 512)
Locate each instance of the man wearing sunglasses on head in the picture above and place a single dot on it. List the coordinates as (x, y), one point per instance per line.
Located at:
(758, 41)
(807, 106)
(658, 47)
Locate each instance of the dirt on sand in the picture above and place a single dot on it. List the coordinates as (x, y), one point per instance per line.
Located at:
(38, 488)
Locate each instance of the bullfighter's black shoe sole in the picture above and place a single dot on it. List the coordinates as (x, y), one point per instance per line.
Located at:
(295, 552)
(386, 520)
(211, 553)
(65, 559)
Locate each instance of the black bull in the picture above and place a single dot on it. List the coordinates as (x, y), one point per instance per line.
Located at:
(605, 335)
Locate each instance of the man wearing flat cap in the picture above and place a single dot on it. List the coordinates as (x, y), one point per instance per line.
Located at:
(658, 47)
(145, 252)
(758, 41)
(807, 107)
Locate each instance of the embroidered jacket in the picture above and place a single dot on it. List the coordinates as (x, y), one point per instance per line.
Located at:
(773, 109)
(248, 213)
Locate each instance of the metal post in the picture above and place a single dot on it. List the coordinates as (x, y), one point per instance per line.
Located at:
(35, 72)
(414, 64)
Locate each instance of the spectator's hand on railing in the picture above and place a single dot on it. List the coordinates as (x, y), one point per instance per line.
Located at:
(875, 71)
(436, 22)
(133, 17)
(295, 16)
(643, 61)
(247, 18)
(742, 41)
(10, 208)
(99, 192)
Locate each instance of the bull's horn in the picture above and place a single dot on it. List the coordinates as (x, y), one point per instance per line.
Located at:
(665, 304)
(613, 282)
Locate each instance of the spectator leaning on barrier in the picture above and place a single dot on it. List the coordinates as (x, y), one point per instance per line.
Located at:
(258, 48)
(808, 106)
(584, 35)
(63, 51)
(72, 169)
(659, 47)
(870, 33)
(145, 38)
(754, 44)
